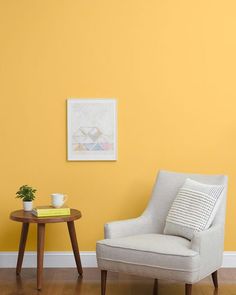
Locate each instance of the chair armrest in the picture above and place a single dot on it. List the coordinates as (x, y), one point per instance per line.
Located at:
(208, 239)
(210, 245)
(129, 227)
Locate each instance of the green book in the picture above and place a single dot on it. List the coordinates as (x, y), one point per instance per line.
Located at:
(47, 211)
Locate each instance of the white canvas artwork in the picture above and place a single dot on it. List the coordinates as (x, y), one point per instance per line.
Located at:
(91, 129)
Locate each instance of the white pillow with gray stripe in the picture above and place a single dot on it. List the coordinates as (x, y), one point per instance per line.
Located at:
(193, 209)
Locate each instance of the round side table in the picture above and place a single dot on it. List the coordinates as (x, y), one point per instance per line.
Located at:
(26, 218)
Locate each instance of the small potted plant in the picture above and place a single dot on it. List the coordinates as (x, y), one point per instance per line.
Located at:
(27, 194)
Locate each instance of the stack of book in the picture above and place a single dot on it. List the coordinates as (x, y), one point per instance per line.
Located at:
(49, 211)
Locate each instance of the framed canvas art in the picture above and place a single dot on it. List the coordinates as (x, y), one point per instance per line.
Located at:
(91, 130)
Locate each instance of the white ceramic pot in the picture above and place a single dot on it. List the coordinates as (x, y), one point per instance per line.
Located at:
(28, 206)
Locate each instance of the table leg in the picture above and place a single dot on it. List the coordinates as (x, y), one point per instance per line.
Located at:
(40, 251)
(23, 238)
(75, 247)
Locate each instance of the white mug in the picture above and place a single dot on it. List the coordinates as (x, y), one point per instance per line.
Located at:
(58, 200)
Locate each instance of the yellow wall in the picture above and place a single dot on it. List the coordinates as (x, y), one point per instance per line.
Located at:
(171, 65)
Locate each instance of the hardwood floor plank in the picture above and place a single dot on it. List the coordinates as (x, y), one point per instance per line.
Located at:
(66, 282)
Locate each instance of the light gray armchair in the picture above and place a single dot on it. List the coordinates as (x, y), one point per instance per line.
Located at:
(138, 246)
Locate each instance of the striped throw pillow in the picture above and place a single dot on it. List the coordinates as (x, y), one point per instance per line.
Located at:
(193, 209)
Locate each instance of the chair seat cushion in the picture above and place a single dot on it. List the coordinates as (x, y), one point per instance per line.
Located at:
(155, 251)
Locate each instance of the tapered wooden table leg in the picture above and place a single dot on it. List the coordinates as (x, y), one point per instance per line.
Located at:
(40, 252)
(75, 247)
(23, 238)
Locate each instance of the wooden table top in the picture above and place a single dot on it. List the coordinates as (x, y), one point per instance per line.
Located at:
(28, 217)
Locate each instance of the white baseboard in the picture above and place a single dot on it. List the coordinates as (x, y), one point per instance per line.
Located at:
(66, 259)
(229, 259)
(51, 259)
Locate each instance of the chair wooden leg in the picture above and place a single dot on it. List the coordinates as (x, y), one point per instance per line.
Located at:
(103, 281)
(188, 289)
(155, 287)
(214, 279)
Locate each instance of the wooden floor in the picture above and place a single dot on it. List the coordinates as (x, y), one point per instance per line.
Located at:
(66, 282)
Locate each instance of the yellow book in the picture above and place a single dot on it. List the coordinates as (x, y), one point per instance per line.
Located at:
(47, 211)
